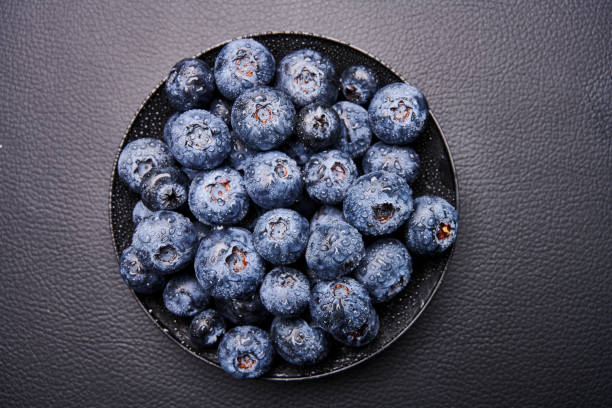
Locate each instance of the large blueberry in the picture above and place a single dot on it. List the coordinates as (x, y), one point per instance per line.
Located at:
(190, 84)
(241, 154)
(249, 310)
(355, 134)
(207, 328)
(297, 342)
(138, 158)
(243, 64)
(273, 180)
(167, 239)
(334, 250)
(317, 126)
(246, 352)
(138, 276)
(199, 139)
(280, 236)
(263, 117)
(227, 265)
(358, 84)
(164, 188)
(385, 269)
(401, 160)
(328, 176)
(326, 215)
(432, 227)
(378, 203)
(285, 291)
(307, 77)
(397, 113)
(183, 296)
(218, 197)
(221, 108)
(140, 212)
(353, 335)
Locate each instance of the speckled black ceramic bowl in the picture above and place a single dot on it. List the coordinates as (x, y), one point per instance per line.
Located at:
(437, 176)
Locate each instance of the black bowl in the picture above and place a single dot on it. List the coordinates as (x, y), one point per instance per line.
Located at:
(437, 177)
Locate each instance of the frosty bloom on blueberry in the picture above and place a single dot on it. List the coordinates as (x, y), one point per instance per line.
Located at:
(285, 292)
(327, 214)
(246, 352)
(190, 84)
(164, 188)
(273, 180)
(183, 296)
(135, 273)
(138, 158)
(317, 126)
(328, 176)
(355, 135)
(358, 84)
(432, 227)
(297, 342)
(280, 236)
(207, 328)
(401, 160)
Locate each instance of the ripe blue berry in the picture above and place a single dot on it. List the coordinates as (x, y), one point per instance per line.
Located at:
(249, 310)
(273, 180)
(326, 215)
(353, 335)
(355, 134)
(190, 84)
(397, 113)
(138, 158)
(297, 342)
(401, 160)
(164, 188)
(222, 109)
(183, 296)
(285, 292)
(432, 227)
(280, 236)
(137, 275)
(246, 352)
(140, 212)
(317, 126)
(358, 84)
(328, 176)
(207, 328)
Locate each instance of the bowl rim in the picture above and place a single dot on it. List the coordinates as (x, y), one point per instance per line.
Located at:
(422, 308)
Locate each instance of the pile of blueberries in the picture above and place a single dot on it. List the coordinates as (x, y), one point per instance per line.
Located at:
(244, 175)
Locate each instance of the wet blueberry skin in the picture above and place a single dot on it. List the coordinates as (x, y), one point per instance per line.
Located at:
(218, 197)
(355, 134)
(273, 180)
(227, 264)
(249, 310)
(378, 203)
(221, 108)
(168, 241)
(199, 139)
(432, 227)
(307, 77)
(207, 328)
(358, 336)
(334, 250)
(190, 84)
(241, 154)
(297, 342)
(342, 304)
(328, 176)
(140, 156)
(298, 151)
(401, 160)
(183, 296)
(317, 126)
(385, 269)
(140, 212)
(358, 84)
(397, 113)
(246, 352)
(327, 214)
(280, 236)
(263, 117)
(164, 188)
(136, 275)
(285, 292)
(243, 64)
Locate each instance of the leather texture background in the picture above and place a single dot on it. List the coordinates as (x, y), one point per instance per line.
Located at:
(523, 92)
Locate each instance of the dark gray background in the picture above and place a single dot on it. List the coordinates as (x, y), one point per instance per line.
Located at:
(523, 91)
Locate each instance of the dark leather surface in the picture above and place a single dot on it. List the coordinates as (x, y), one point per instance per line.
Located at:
(523, 91)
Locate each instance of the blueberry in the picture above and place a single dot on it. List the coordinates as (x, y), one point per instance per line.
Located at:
(358, 84)
(328, 176)
(227, 265)
(168, 126)
(298, 151)
(432, 227)
(263, 117)
(401, 160)
(136, 275)
(280, 236)
(358, 336)
(249, 310)
(183, 296)
(243, 64)
(273, 180)
(285, 292)
(246, 352)
(326, 215)
(307, 77)
(241, 154)
(140, 212)
(334, 250)
(355, 134)
(397, 113)
(222, 109)
(164, 188)
(385, 269)
(341, 304)
(190, 173)
(317, 126)
(138, 158)
(207, 328)
(168, 240)
(297, 342)
(199, 139)
(218, 196)
(378, 203)
(190, 84)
